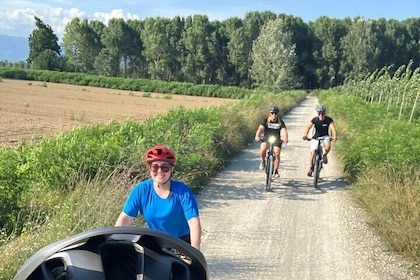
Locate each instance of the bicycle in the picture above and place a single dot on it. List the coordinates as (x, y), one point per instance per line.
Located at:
(317, 161)
(269, 163)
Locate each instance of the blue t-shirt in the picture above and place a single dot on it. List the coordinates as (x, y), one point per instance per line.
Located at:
(169, 214)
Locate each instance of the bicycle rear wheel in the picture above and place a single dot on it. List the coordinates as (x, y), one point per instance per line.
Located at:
(317, 165)
(269, 170)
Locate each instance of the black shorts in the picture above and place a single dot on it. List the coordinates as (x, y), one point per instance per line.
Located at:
(276, 144)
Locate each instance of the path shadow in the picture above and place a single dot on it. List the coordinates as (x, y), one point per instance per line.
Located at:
(302, 189)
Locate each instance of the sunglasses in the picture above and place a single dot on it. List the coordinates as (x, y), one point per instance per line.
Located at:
(164, 168)
(273, 113)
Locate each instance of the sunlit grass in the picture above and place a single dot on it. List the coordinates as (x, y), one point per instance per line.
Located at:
(91, 204)
(393, 202)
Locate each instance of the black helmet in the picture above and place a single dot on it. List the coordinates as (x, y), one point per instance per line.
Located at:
(321, 109)
(274, 109)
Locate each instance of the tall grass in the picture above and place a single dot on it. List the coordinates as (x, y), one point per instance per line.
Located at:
(97, 167)
(394, 207)
(91, 204)
(381, 157)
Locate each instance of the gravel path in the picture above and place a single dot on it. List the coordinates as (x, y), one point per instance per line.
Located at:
(295, 231)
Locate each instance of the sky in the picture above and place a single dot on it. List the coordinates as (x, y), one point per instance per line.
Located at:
(17, 17)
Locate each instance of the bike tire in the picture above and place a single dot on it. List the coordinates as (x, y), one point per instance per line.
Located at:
(269, 172)
(317, 168)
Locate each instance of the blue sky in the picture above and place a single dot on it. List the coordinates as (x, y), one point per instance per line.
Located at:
(17, 17)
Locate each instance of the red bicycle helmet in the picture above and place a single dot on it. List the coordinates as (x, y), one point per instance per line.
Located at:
(160, 153)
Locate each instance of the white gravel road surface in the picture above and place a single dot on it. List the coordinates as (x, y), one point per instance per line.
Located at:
(294, 231)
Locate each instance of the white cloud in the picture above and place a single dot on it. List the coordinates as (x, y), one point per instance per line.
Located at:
(17, 17)
(117, 13)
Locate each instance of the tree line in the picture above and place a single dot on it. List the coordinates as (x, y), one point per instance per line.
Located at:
(262, 49)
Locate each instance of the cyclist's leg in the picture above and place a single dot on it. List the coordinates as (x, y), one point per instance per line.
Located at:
(311, 159)
(277, 151)
(327, 146)
(314, 147)
(263, 150)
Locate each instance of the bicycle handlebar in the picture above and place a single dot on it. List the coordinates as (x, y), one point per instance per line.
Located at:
(129, 251)
(317, 138)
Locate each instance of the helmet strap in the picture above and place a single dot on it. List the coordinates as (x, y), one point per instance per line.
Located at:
(170, 177)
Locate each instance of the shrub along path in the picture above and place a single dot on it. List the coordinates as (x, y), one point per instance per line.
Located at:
(295, 231)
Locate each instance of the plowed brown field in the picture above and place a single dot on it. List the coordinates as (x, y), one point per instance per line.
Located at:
(33, 110)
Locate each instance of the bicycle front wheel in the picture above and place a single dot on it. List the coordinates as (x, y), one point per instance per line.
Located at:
(317, 165)
(269, 170)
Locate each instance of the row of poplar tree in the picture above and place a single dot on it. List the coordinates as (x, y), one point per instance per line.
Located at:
(262, 49)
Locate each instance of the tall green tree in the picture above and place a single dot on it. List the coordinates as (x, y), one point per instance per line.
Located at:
(196, 57)
(217, 54)
(360, 51)
(137, 66)
(301, 37)
(274, 58)
(392, 40)
(412, 27)
(157, 48)
(44, 51)
(122, 49)
(253, 22)
(81, 45)
(327, 50)
(97, 26)
(175, 30)
(237, 51)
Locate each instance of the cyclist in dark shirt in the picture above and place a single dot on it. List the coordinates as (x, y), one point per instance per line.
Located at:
(322, 125)
(272, 125)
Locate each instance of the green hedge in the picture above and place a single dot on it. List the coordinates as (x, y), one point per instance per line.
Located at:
(143, 85)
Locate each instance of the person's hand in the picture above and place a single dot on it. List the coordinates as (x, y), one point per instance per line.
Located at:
(257, 138)
(305, 137)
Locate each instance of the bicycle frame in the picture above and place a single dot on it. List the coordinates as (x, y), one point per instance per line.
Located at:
(269, 163)
(317, 162)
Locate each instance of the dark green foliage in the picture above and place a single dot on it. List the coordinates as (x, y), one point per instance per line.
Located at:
(11, 187)
(142, 85)
(375, 139)
(328, 52)
(44, 51)
(15, 73)
(381, 157)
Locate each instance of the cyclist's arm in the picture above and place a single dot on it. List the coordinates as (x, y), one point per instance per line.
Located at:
(123, 220)
(285, 136)
(333, 131)
(307, 128)
(195, 232)
(258, 133)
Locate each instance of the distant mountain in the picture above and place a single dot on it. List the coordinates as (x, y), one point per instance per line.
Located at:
(13, 49)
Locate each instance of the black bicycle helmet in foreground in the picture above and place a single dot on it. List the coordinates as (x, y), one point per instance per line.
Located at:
(116, 253)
